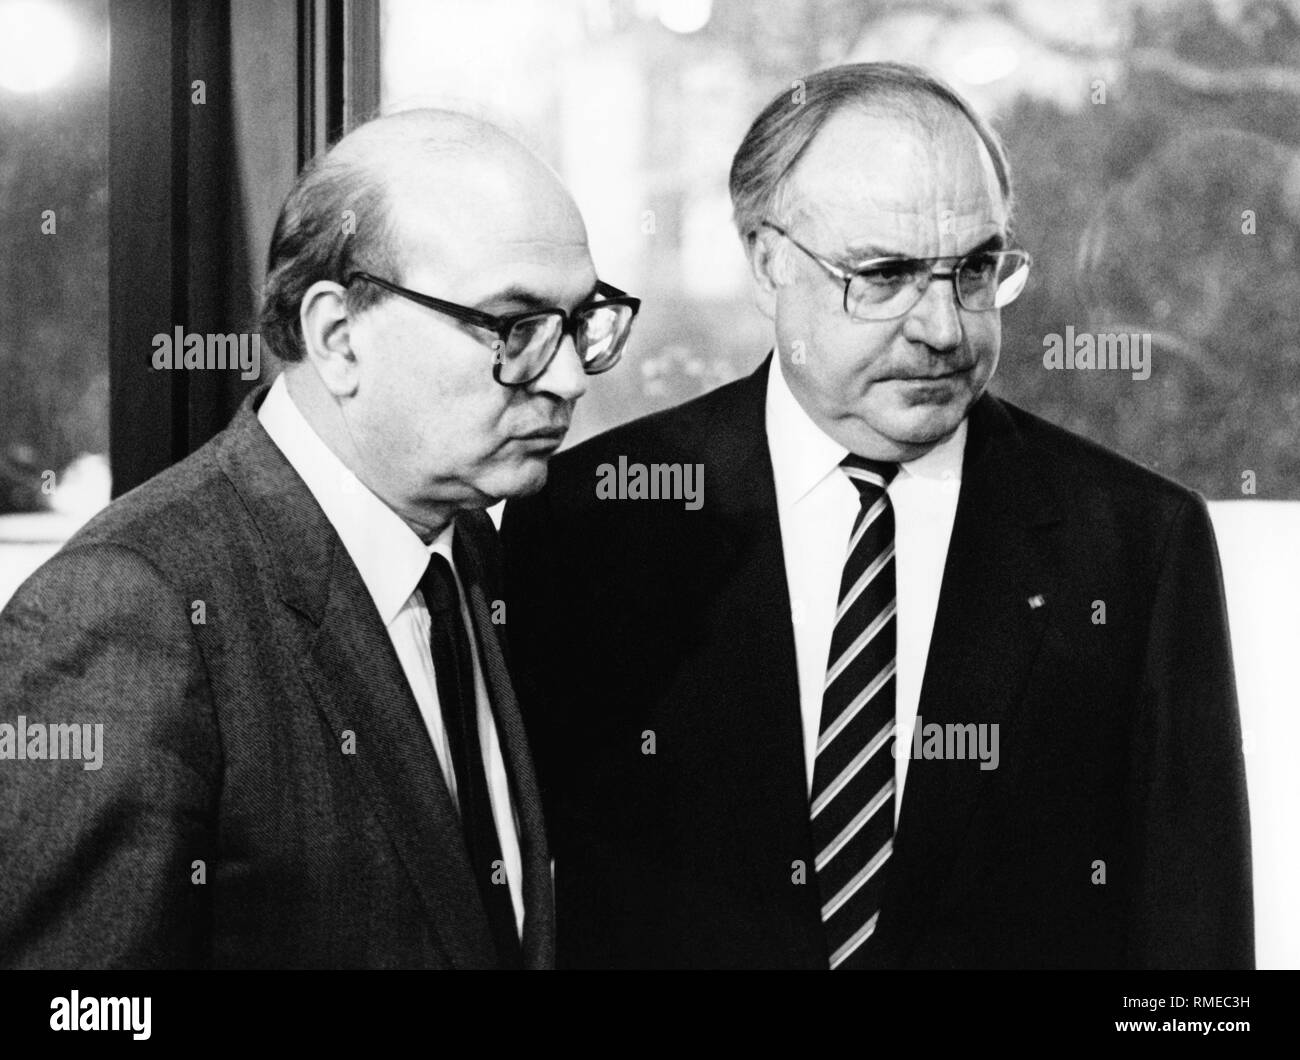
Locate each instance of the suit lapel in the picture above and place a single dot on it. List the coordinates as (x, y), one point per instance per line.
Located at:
(539, 916)
(358, 685)
(756, 671)
(1002, 555)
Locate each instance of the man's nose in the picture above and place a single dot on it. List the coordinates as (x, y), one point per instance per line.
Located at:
(935, 319)
(564, 377)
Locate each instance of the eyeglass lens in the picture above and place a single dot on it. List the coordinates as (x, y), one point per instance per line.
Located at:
(984, 281)
(599, 337)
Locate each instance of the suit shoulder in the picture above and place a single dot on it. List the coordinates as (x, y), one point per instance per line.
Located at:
(171, 514)
(680, 425)
(1076, 461)
(669, 435)
(93, 581)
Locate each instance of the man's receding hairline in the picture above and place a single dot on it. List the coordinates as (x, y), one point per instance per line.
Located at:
(911, 108)
(448, 128)
(387, 160)
(778, 140)
(392, 155)
(340, 215)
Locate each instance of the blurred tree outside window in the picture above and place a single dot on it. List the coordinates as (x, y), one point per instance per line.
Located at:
(1155, 148)
(53, 266)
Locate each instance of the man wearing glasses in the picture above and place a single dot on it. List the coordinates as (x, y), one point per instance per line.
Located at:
(312, 751)
(928, 682)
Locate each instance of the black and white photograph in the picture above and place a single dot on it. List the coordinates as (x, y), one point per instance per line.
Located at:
(650, 486)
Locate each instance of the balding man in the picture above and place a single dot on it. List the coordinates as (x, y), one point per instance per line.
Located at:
(887, 558)
(311, 749)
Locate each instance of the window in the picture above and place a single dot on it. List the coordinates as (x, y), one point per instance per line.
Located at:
(54, 267)
(1153, 148)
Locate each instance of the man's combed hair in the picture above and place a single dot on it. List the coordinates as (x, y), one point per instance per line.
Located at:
(335, 221)
(789, 123)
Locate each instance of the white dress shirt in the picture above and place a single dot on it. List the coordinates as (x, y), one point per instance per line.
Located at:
(392, 559)
(817, 505)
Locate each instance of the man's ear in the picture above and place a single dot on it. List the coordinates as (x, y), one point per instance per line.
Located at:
(323, 317)
(769, 266)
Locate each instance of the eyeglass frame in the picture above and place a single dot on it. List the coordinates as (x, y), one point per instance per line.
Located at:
(847, 275)
(501, 326)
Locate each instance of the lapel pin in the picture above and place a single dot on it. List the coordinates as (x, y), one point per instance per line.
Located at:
(1036, 601)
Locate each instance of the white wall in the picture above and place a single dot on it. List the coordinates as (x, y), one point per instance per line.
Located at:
(1259, 545)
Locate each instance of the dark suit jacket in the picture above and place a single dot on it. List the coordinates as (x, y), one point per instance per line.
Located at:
(1119, 742)
(224, 742)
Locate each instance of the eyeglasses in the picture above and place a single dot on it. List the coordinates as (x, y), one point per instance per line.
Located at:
(528, 342)
(885, 288)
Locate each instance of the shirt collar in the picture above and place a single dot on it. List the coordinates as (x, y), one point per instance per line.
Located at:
(388, 554)
(803, 455)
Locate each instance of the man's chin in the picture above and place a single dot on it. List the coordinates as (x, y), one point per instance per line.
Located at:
(926, 413)
(924, 425)
(522, 480)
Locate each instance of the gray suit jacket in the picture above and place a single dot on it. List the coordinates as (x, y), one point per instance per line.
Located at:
(225, 742)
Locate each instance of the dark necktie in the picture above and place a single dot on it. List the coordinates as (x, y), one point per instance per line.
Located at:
(853, 774)
(453, 669)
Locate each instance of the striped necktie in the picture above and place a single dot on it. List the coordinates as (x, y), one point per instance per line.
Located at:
(853, 774)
